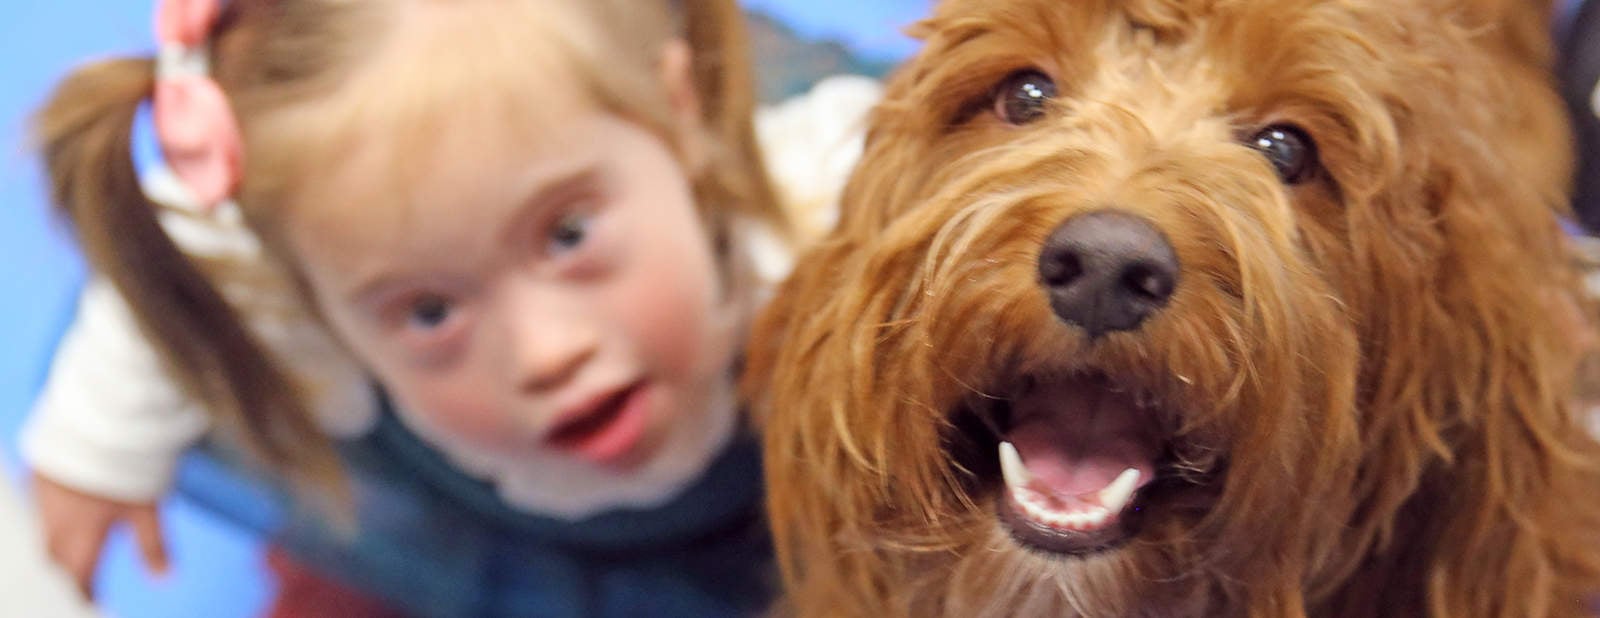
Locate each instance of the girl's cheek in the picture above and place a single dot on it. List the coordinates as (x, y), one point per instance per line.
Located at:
(682, 331)
(476, 429)
(461, 410)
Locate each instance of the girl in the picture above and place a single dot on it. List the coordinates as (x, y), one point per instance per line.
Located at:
(529, 221)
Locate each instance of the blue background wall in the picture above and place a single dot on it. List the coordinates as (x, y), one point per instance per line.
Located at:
(217, 572)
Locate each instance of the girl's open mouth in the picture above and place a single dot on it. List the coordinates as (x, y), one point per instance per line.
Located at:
(609, 431)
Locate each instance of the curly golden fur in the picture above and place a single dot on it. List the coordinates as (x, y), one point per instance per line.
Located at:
(1359, 386)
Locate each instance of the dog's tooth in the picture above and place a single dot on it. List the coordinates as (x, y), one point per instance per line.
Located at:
(1098, 517)
(1115, 496)
(1017, 475)
(1033, 509)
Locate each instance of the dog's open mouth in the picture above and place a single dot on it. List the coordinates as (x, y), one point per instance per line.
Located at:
(1074, 455)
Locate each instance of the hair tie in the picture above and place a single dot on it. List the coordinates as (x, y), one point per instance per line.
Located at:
(194, 124)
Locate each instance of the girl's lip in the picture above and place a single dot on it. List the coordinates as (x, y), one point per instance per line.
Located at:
(606, 430)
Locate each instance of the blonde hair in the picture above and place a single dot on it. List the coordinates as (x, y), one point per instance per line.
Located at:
(285, 65)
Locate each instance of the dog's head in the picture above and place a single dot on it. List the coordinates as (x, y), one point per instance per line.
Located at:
(1180, 307)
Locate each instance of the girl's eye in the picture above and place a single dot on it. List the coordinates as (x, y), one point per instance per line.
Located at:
(568, 233)
(429, 312)
(432, 325)
(1021, 97)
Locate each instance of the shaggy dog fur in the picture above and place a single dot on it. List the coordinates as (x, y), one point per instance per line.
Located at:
(1326, 283)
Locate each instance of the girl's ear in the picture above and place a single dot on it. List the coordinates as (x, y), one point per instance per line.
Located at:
(677, 73)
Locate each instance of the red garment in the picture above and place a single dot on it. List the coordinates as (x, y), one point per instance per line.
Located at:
(304, 593)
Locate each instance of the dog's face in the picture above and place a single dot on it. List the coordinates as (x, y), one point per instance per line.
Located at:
(1167, 307)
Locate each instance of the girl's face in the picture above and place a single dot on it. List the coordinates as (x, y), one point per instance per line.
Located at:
(550, 291)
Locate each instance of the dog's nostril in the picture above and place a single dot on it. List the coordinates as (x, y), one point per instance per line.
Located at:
(1107, 271)
(1149, 280)
(1060, 269)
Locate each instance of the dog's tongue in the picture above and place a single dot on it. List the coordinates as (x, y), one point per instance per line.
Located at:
(1076, 437)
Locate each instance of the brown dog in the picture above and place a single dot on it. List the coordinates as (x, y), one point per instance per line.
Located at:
(1192, 308)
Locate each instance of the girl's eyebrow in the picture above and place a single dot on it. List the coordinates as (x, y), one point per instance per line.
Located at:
(377, 289)
(544, 194)
(547, 193)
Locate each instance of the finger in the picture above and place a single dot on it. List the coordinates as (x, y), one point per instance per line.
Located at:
(61, 556)
(79, 555)
(152, 544)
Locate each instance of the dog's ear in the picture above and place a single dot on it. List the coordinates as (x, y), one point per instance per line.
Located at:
(1530, 124)
(1520, 28)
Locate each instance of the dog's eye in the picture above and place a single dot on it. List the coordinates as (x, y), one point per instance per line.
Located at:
(1289, 149)
(1021, 97)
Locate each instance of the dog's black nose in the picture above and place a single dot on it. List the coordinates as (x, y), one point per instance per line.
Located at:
(1107, 271)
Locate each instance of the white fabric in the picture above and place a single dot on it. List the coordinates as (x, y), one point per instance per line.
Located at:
(811, 144)
(110, 423)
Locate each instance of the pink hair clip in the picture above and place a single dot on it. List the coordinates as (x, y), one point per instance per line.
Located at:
(194, 123)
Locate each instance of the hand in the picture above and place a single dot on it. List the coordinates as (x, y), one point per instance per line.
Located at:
(75, 527)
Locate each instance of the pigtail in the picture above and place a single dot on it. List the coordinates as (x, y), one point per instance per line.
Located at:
(85, 133)
(715, 30)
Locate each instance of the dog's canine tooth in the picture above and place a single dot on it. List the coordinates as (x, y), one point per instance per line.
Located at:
(1115, 496)
(1017, 475)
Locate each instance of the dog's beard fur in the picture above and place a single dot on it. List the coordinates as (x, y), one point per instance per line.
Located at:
(1361, 380)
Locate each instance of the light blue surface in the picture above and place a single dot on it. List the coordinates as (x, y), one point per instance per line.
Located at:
(217, 569)
(873, 28)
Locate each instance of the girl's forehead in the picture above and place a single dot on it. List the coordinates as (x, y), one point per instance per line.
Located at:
(441, 86)
(473, 152)
(464, 78)
(459, 56)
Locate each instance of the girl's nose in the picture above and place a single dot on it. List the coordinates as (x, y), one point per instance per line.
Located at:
(548, 362)
(550, 347)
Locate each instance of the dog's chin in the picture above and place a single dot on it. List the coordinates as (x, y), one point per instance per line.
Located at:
(1074, 463)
